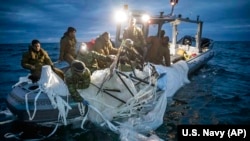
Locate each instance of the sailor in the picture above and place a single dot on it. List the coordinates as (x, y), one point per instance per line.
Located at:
(35, 58)
(158, 51)
(77, 77)
(129, 57)
(103, 45)
(90, 58)
(165, 52)
(135, 33)
(68, 46)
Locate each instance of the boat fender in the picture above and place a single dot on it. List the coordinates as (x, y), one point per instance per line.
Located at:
(85, 102)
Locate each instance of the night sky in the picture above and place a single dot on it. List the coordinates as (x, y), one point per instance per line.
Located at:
(47, 20)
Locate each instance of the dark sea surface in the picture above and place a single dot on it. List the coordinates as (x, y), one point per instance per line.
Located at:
(219, 93)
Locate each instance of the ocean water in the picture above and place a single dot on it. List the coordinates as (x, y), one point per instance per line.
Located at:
(219, 93)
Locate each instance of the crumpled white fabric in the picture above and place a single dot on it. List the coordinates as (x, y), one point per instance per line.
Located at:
(51, 84)
(169, 81)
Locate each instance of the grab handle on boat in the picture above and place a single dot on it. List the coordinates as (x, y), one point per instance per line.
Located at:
(85, 102)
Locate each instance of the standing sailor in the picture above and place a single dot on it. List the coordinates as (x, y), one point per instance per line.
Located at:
(136, 35)
(104, 46)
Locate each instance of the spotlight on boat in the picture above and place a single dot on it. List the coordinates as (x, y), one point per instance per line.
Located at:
(173, 2)
(145, 18)
(121, 16)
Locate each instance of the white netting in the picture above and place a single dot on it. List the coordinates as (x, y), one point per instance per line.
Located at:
(52, 85)
(137, 107)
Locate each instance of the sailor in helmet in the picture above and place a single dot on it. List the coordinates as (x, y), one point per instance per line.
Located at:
(129, 57)
(90, 58)
(77, 77)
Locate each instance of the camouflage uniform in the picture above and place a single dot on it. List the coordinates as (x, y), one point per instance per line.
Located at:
(76, 81)
(90, 59)
(129, 59)
(34, 61)
(135, 34)
(105, 48)
(67, 48)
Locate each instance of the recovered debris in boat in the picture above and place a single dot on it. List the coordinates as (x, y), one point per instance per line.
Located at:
(129, 103)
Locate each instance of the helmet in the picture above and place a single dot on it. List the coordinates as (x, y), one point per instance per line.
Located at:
(78, 66)
(128, 42)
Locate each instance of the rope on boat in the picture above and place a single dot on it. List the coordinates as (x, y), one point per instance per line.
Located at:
(86, 113)
(9, 117)
(81, 108)
(27, 103)
(62, 115)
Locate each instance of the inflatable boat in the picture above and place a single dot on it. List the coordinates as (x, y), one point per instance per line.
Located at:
(115, 100)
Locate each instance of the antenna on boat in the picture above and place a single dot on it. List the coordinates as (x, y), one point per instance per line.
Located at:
(173, 3)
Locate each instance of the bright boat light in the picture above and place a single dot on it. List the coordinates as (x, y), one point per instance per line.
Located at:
(173, 2)
(120, 16)
(145, 18)
(83, 47)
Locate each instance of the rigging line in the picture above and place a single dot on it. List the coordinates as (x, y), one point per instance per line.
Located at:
(118, 73)
(104, 80)
(141, 80)
(35, 100)
(113, 66)
(106, 91)
(114, 96)
(154, 72)
(112, 90)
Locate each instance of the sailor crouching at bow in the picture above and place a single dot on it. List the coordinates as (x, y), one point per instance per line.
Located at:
(77, 77)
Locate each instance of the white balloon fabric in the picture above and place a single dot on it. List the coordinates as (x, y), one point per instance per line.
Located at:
(122, 103)
(51, 84)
